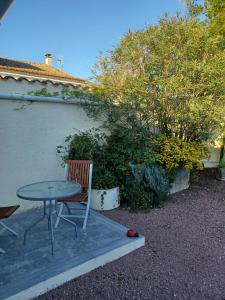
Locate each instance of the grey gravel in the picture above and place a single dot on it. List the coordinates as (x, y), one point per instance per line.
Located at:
(184, 255)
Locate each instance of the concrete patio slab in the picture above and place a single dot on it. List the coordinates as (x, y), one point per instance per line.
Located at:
(30, 270)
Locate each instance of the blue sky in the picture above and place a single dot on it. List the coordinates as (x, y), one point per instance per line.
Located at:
(75, 29)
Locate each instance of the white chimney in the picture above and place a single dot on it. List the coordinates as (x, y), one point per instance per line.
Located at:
(48, 59)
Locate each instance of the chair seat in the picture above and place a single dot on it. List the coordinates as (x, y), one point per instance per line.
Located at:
(7, 211)
(79, 171)
(77, 198)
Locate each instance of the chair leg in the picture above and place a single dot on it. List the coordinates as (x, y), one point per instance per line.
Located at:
(72, 223)
(9, 229)
(68, 208)
(2, 251)
(59, 215)
(87, 212)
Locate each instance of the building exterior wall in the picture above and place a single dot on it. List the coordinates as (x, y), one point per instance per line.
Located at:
(29, 135)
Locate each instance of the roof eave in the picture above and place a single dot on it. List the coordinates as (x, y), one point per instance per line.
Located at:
(41, 78)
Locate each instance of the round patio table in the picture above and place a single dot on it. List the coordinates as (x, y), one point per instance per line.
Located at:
(49, 192)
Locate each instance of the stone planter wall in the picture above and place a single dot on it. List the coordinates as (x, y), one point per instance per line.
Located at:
(181, 182)
(221, 174)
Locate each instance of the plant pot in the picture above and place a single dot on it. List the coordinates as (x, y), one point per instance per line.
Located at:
(105, 199)
(221, 174)
(181, 181)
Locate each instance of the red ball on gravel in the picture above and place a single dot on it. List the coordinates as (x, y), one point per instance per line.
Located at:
(132, 233)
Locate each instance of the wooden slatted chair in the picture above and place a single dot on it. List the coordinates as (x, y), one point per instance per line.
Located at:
(6, 212)
(79, 171)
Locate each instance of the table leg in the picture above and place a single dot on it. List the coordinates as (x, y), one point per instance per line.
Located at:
(44, 208)
(72, 223)
(68, 208)
(48, 213)
(50, 225)
(30, 227)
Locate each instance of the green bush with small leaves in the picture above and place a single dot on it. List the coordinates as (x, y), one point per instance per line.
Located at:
(153, 181)
(173, 153)
(222, 165)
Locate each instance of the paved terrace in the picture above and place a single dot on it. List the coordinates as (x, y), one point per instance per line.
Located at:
(30, 270)
(183, 257)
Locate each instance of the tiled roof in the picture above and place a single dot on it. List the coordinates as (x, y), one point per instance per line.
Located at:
(23, 68)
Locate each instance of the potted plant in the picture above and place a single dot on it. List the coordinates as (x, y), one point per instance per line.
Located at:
(105, 193)
(178, 157)
(91, 145)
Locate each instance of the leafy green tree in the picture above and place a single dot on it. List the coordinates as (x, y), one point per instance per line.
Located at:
(214, 12)
(194, 8)
(167, 78)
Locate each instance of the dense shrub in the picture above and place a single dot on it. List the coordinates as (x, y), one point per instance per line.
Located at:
(103, 179)
(83, 145)
(173, 153)
(89, 145)
(112, 155)
(153, 182)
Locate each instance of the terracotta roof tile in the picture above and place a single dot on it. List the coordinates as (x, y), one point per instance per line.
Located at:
(35, 69)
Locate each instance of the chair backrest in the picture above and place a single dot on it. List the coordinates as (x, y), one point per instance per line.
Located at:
(80, 171)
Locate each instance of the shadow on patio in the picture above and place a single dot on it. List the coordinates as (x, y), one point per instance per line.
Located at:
(30, 270)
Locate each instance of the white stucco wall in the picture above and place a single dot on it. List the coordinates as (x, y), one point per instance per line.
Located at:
(28, 140)
(29, 135)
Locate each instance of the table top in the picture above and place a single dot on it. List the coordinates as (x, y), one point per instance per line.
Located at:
(48, 190)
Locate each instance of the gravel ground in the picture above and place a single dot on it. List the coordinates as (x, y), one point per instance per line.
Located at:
(183, 258)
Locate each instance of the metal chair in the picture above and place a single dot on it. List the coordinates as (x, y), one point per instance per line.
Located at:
(6, 212)
(79, 171)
